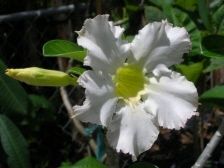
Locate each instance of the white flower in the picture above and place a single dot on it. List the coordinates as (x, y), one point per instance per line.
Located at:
(130, 90)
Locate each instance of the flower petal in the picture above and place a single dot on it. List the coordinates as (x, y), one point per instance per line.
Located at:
(98, 36)
(116, 30)
(100, 102)
(160, 43)
(132, 131)
(172, 98)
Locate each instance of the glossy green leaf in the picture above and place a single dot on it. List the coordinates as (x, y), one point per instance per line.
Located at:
(14, 144)
(13, 96)
(142, 165)
(88, 162)
(63, 48)
(191, 72)
(76, 71)
(215, 63)
(203, 8)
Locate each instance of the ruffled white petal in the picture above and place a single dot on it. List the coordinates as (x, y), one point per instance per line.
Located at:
(132, 131)
(116, 30)
(99, 37)
(160, 43)
(173, 99)
(100, 102)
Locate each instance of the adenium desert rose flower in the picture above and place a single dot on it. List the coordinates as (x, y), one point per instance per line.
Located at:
(130, 89)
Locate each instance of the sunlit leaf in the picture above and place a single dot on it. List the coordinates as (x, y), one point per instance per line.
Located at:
(13, 96)
(63, 48)
(191, 72)
(14, 144)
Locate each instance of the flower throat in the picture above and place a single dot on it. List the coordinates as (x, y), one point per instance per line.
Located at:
(129, 80)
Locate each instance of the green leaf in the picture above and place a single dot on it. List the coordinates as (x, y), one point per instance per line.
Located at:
(63, 48)
(189, 5)
(14, 144)
(218, 19)
(142, 165)
(216, 93)
(214, 96)
(203, 8)
(13, 96)
(88, 162)
(213, 46)
(76, 70)
(40, 102)
(192, 72)
(153, 14)
(215, 63)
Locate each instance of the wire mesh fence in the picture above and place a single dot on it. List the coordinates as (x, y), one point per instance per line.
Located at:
(23, 34)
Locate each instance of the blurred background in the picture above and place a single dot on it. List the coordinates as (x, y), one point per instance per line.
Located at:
(35, 128)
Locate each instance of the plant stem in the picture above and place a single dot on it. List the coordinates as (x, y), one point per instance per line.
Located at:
(210, 147)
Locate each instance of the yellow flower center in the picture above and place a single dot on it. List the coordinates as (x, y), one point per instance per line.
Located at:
(129, 81)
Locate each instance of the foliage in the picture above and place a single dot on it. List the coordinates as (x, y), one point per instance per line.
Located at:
(14, 144)
(13, 96)
(32, 111)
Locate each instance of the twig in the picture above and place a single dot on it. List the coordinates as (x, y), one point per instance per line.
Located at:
(37, 13)
(68, 106)
(210, 147)
(76, 122)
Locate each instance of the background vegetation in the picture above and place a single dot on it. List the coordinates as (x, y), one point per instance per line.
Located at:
(35, 128)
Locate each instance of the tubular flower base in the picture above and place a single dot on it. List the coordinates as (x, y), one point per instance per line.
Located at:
(130, 89)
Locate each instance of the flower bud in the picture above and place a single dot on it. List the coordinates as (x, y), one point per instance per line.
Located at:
(41, 77)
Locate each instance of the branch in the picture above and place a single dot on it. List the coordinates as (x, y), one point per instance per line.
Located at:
(68, 106)
(77, 123)
(37, 13)
(210, 147)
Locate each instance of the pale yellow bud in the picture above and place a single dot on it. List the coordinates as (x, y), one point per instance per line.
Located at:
(41, 77)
